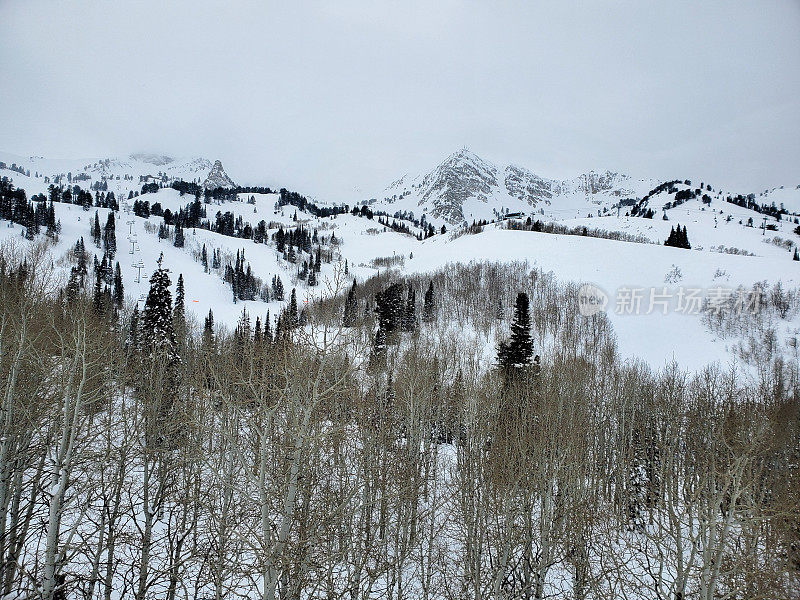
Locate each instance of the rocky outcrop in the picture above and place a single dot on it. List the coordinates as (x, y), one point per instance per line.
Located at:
(218, 178)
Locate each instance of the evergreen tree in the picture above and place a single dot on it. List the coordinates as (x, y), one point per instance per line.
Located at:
(350, 308)
(179, 240)
(81, 259)
(796, 256)
(96, 233)
(157, 323)
(294, 319)
(409, 322)
(110, 235)
(73, 285)
(132, 341)
(267, 331)
(119, 290)
(53, 227)
(518, 351)
(257, 334)
(678, 238)
(243, 331)
(208, 331)
(280, 240)
(318, 261)
(312, 278)
(429, 307)
(277, 288)
(179, 312)
(389, 307)
(97, 295)
(204, 259)
(106, 272)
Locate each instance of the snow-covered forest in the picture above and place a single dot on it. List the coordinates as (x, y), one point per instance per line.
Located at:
(143, 457)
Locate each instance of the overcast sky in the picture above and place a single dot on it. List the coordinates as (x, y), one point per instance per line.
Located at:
(333, 97)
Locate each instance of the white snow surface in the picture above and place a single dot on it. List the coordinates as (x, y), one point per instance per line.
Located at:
(611, 265)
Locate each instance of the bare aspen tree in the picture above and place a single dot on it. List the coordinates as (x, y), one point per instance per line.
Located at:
(78, 383)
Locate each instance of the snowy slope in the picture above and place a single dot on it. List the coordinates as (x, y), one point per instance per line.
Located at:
(787, 197)
(726, 251)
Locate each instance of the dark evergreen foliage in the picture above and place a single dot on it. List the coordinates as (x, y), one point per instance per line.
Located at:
(517, 352)
(294, 318)
(678, 238)
(350, 307)
(277, 288)
(110, 235)
(429, 307)
(179, 312)
(389, 308)
(157, 323)
(119, 291)
(179, 239)
(409, 321)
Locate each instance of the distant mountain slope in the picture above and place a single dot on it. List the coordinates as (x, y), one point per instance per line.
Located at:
(465, 187)
(120, 175)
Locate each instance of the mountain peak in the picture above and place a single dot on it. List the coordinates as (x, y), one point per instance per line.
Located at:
(465, 156)
(465, 187)
(218, 178)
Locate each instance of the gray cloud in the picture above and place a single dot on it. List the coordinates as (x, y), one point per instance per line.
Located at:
(327, 97)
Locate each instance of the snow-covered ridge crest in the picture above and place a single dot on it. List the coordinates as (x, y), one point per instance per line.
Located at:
(118, 174)
(465, 187)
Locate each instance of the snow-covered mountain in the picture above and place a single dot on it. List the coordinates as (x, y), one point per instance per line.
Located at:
(120, 174)
(218, 178)
(728, 241)
(466, 187)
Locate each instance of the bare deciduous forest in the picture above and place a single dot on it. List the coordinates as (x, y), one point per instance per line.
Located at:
(144, 456)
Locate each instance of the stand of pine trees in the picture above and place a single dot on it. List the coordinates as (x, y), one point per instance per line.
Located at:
(678, 238)
(244, 284)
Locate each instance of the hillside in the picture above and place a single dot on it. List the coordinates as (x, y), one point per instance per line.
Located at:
(726, 251)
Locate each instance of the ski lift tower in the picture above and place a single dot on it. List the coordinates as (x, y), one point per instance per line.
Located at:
(138, 265)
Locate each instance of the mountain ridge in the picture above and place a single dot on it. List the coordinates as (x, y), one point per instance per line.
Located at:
(465, 186)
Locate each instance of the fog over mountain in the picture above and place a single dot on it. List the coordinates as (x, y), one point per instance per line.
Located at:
(337, 98)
